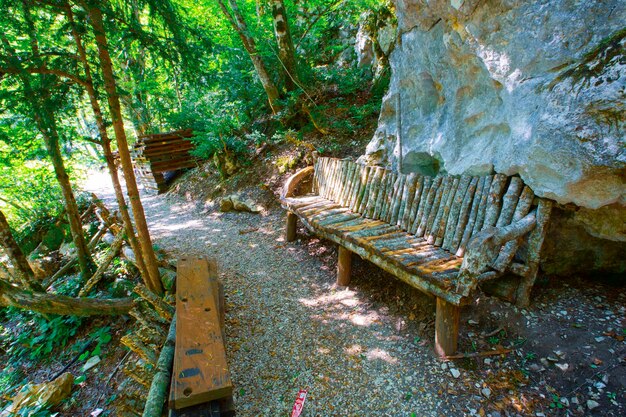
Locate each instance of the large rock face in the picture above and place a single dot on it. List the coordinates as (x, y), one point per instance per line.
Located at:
(530, 88)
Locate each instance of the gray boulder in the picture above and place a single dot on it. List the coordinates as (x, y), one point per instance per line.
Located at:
(516, 87)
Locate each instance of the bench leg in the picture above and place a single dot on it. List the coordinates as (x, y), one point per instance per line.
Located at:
(292, 221)
(344, 266)
(446, 328)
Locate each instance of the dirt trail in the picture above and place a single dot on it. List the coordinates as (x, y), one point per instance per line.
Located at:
(361, 351)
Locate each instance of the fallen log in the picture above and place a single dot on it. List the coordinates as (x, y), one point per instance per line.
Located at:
(158, 389)
(60, 304)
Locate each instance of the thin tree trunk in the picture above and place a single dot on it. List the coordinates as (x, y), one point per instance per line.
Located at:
(240, 26)
(45, 303)
(108, 154)
(16, 256)
(154, 282)
(286, 50)
(46, 123)
(47, 127)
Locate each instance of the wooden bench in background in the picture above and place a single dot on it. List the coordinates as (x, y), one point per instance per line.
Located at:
(157, 155)
(201, 384)
(443, 235)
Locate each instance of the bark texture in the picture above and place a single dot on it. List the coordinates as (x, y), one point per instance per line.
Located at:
(286, 50)
(60, 304)
(154, 282)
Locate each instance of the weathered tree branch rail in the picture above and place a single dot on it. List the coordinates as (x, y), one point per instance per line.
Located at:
(444, 235)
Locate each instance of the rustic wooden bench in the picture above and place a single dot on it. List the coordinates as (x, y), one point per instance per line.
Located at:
(443, 235)
(200, 378)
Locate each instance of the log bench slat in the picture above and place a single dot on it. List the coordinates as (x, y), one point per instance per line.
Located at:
(443, 235)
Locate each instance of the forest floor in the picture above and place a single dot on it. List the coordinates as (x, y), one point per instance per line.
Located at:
(367, 349)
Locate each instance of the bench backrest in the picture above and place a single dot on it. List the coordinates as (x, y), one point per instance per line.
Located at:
(446, 210)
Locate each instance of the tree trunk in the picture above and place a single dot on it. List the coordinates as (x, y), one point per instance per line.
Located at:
(60, 304)
(47, 126)
(95, 17)
(43, 114)
(286, 50)
(17, 257)
(240, 26)
(108, 154)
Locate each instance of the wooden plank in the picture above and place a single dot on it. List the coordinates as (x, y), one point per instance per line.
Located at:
(316, 176)
(394, 215)
(382, 195)
(407, 200)
(386, 203)
(418, 212)
(331, 173)
(322, 178)
(446, 183)
(429, 202)
(442, 221)
(464, 215)
(509, 202)
(416, 200)
(337, 218)
(455, 210)
(349, 184)
(362, 192)
(355, 182)
(494, 201)
(200, 368)
(478, 205)
(341, 180)
(374, 187)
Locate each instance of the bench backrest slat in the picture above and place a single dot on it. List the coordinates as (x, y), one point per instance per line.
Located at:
(422, 189)
(438, 230)
(415, 198)
(510, 201)
(439, 196)
(455, 210)
(494, 202)
(407, 198)
(464, 215)
(397, 199)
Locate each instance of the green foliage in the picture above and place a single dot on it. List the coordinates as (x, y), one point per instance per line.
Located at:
(101, 336)
(38, 336)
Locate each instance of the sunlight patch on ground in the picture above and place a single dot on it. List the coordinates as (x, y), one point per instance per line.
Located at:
(380, 354)
(346, 297)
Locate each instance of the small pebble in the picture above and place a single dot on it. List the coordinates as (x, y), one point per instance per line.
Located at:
(455, 372)
(591, 404)
(486, 392)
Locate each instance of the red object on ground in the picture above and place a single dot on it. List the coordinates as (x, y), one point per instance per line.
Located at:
(299, 405)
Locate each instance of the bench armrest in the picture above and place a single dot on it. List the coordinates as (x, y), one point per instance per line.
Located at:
(299, 183)
(483, 248)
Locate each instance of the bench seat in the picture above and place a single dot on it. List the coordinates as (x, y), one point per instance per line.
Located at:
(388, 246)
(443, 235)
